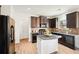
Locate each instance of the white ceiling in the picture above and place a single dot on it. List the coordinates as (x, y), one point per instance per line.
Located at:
(44, 9)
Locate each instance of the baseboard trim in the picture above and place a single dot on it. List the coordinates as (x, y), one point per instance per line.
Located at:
(24, 39)
(54, 52)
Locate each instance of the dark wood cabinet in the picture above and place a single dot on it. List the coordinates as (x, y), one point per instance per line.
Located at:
(73, 20)
(34, 38)
(34, 22)
(52, 23)
(43, 21)
(39, 22)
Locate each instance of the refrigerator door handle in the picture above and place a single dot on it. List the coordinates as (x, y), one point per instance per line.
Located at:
(12, 34)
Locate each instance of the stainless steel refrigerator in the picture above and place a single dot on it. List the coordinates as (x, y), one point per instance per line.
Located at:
(7, 35)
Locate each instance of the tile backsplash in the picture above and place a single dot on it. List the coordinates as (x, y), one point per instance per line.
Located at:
(74, 30)
(66, 30)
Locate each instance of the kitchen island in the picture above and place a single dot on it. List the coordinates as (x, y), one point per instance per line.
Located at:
(47, 44)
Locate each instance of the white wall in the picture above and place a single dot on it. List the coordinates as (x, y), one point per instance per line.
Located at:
(5, 10)
(61, 18)
(22, 25)
(25, 26)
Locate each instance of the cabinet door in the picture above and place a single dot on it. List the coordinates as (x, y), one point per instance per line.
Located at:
(52, 23)
(33, 22)
(34, 38)
(71, 20)
(43, 21)
(38, 22)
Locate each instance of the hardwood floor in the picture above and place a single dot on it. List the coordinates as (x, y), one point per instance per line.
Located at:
(64, 50)
(26, 47)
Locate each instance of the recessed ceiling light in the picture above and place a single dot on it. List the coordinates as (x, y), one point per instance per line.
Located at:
(28, 8)
(58, 9)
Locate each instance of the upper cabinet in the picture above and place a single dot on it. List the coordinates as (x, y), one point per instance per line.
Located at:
(39, 22)
(52, 23)
(43, 21)
(34, 22)
(73, 20)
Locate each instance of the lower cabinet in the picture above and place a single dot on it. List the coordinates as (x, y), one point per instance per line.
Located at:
(66, 40)
(34, 38)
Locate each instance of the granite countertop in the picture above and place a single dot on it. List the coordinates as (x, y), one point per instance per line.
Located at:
(35, 33)
(50, 37)
(67, 34)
